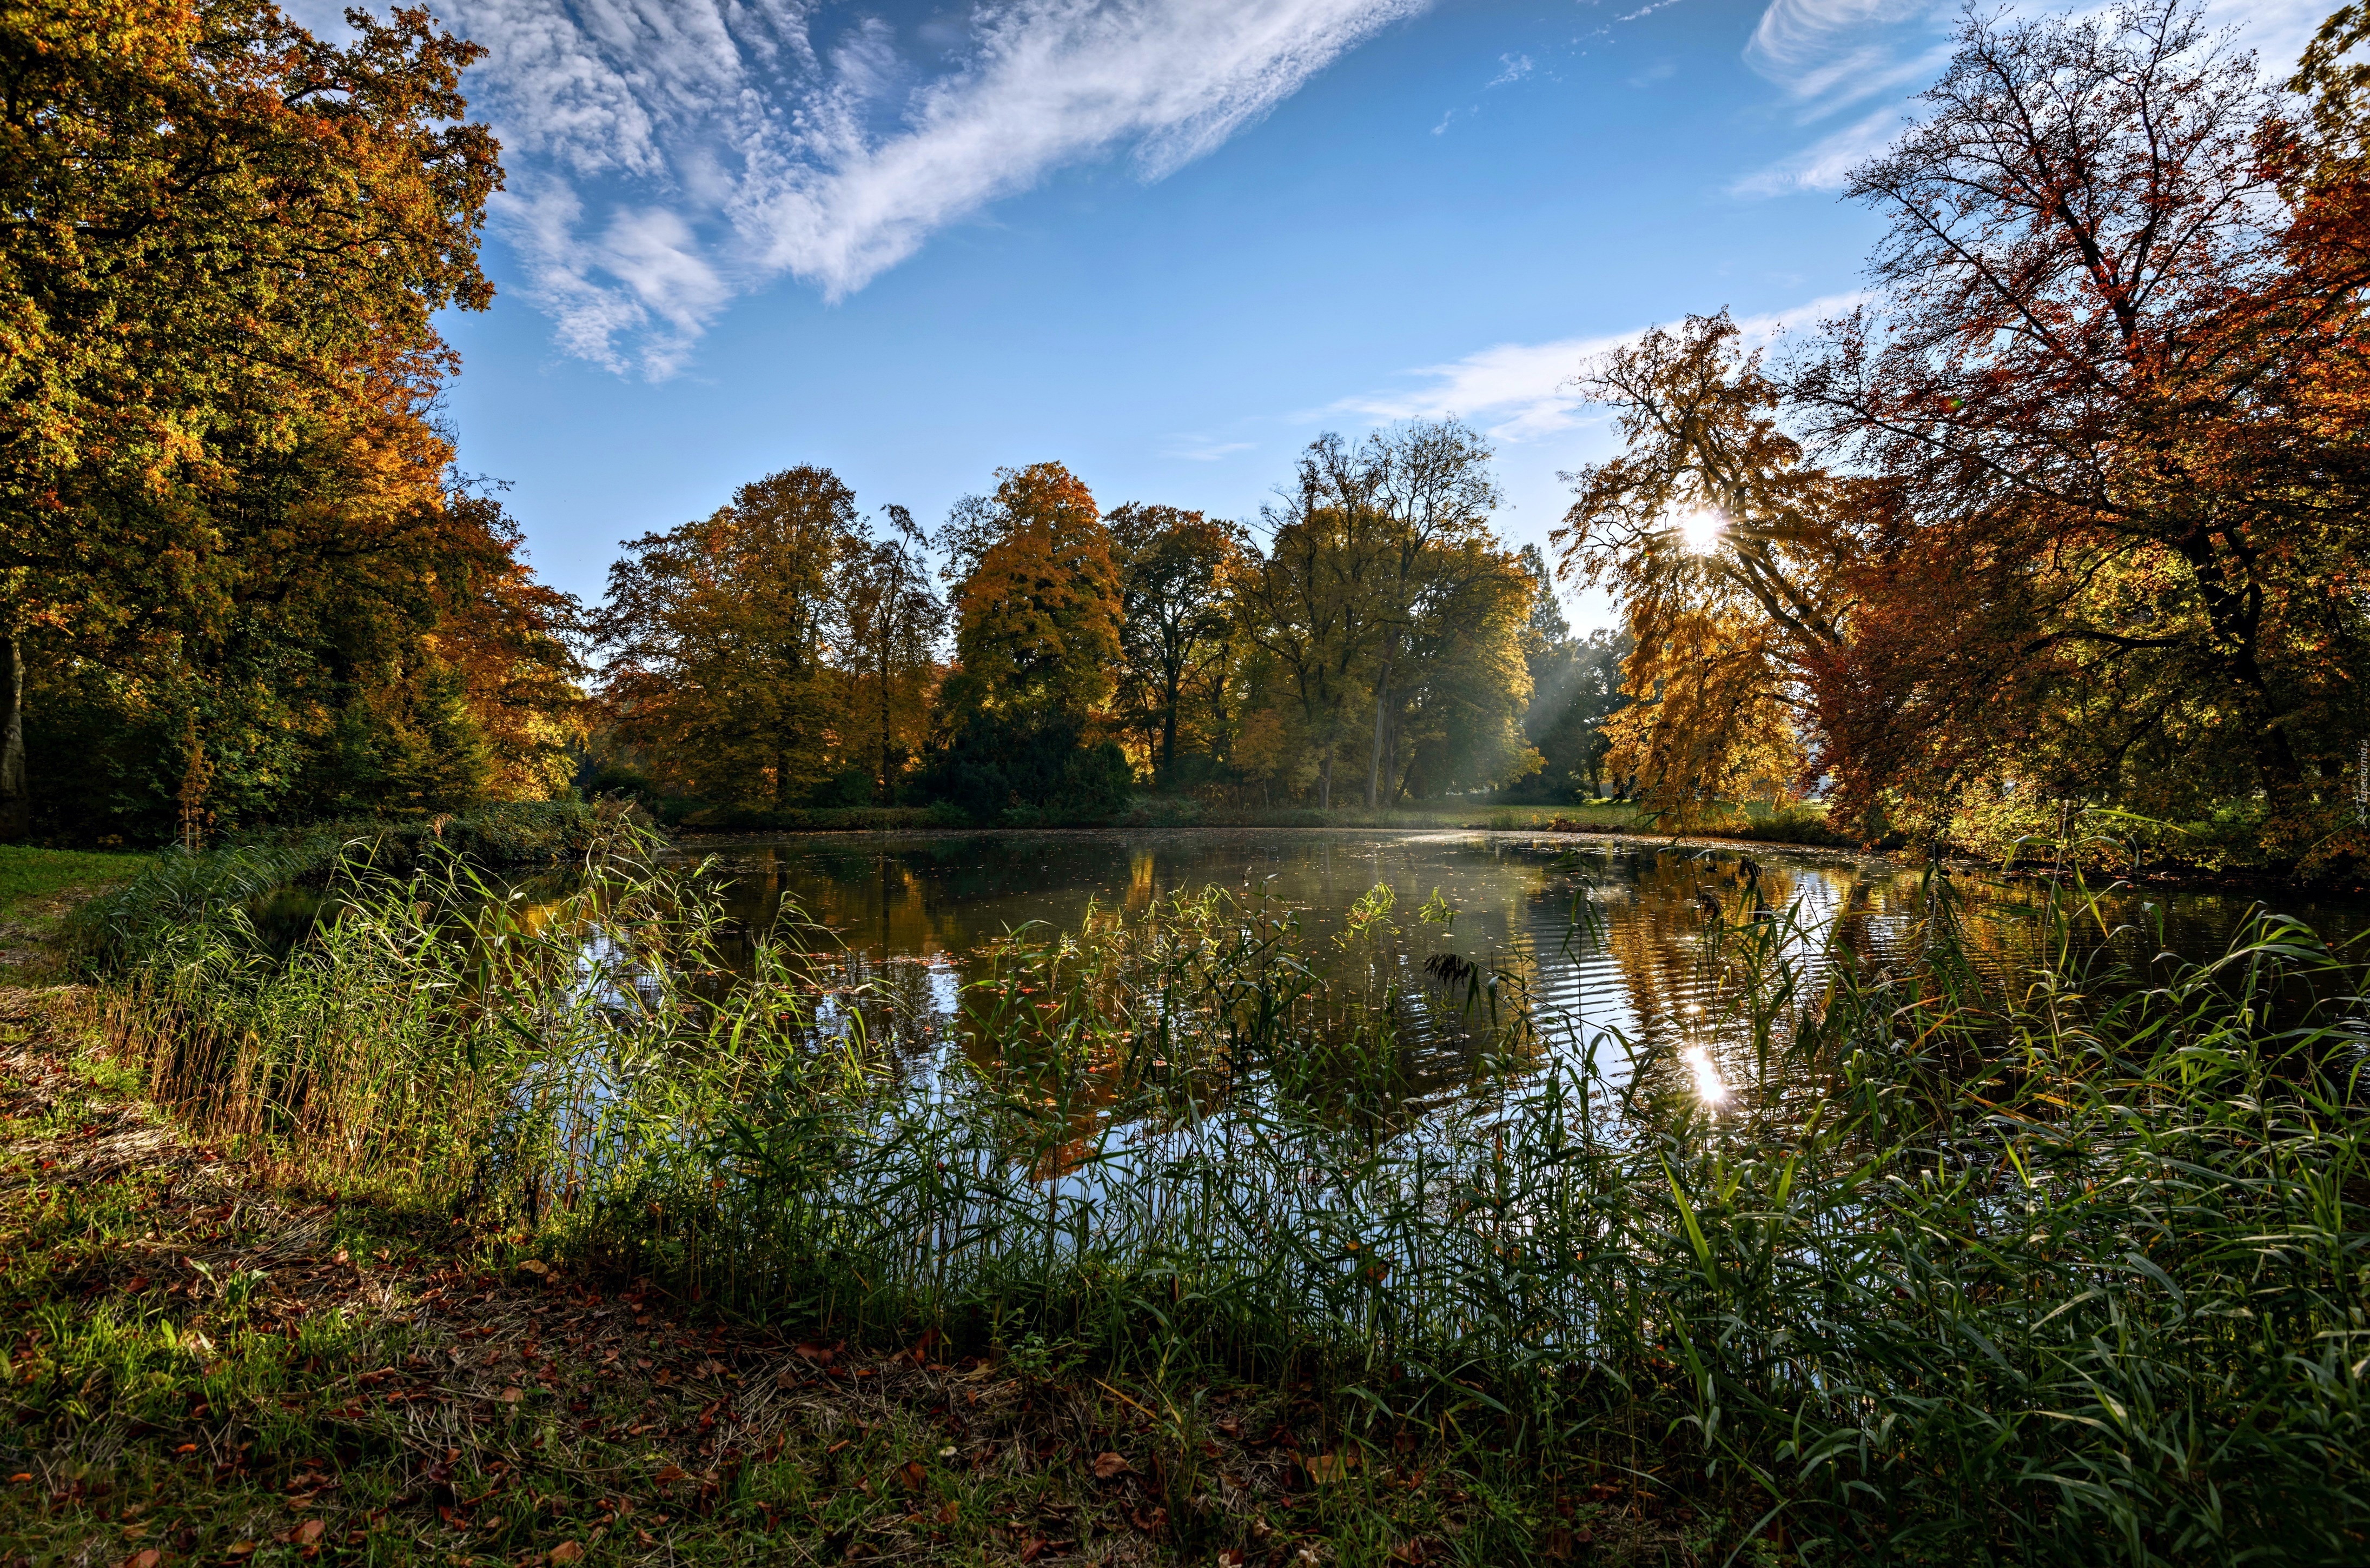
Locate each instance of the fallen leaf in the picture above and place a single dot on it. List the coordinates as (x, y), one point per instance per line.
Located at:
(671, 1472)
(566, 1551)
(309, 1531)
(1109, 1465)
(1332, 1467)
(535, 1267)
(1230, 1557)
(148, 1558)
(913, 1475)
(949, 1514)
(1150, 1524)
(240, 1548)
(512, 1396)
(1032, 1550)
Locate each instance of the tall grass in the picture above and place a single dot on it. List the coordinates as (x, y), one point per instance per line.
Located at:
(2069, 1266)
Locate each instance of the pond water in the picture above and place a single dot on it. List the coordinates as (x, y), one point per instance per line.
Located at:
(1604, 937)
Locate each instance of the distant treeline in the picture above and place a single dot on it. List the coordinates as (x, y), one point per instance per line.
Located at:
(1373, 643)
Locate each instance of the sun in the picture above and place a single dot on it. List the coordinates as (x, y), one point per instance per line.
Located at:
(1700, 531)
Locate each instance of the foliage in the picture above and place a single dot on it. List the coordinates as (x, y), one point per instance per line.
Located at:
(1726, 551)
(2081, 493)
(1176, 569)
(235, 560)
(1037, 604)
(739, 641)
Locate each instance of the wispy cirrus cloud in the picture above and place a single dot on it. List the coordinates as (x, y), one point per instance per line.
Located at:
(1826, 164)
(667, 155)
(1830, 55)
(1522, 392)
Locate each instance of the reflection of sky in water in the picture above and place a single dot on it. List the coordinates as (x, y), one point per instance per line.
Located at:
(912, 910)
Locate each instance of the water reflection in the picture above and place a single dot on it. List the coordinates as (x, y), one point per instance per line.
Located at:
(1618, 951)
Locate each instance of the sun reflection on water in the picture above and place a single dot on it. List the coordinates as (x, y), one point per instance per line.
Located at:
(1710, 1088)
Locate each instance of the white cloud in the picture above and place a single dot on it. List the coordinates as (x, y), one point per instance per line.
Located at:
(1813, 47)
(1826, 164)
(1830, 54)
(1512, 68)
(667, 155)
(1520, 392)
(1194, 449)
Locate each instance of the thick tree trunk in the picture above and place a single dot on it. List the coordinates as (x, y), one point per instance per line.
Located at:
(1325, 782)
(16, 794)
(1381, 695)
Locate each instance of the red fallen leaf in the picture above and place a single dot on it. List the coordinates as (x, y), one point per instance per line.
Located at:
(1411, 1552)
(566, 1551)
(822, 1354)
(1150, 1524)
(913, 1475)
(1110, 1465)
(670, 1472)
(309, 1531)
(512, 1396)
(139, 1282)
(148, 1558)
(1231, 1558)
(184, 1448)
(949, 1514)
(1033, 1549)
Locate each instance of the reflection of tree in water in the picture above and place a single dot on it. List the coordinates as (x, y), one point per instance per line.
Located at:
(910, 918)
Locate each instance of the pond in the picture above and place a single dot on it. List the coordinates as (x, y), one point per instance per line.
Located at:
(1603, 939)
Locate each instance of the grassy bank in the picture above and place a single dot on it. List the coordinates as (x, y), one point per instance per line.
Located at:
(2066, 1269)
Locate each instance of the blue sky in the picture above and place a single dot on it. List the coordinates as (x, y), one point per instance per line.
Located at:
(1163, 243)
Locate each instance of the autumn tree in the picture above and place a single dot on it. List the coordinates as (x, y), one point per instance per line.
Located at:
(894, 623)
(226, 243)
(1302, 609)
(729, 640)
(1727, 552)
(1038, 616)
(1176, 569)
(1399, 496)
(2113, 370)
(1452, 718)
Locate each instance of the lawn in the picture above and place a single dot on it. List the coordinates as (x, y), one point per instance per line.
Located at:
(39, 875)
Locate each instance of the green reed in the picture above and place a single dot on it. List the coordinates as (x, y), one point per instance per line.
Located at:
(2066, 1263)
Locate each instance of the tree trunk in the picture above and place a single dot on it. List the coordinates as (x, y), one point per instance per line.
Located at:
(16, 796)
(1381, 695)
(885, 717)
(1325, 782)
(1169, 741)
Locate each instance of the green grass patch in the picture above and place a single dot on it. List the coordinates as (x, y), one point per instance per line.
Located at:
(26, 873)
